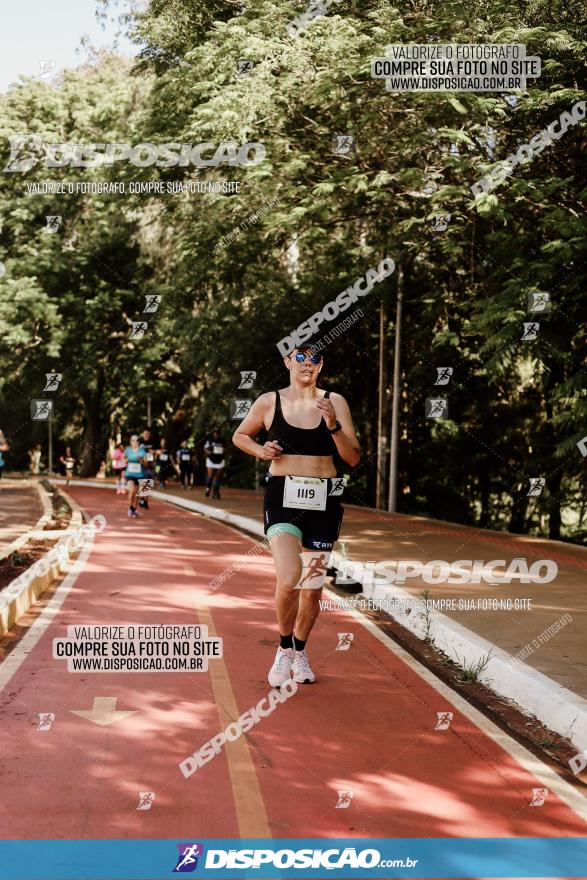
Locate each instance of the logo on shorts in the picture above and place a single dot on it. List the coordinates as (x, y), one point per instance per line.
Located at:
(338, 485)
(321, 545)
(189, 853)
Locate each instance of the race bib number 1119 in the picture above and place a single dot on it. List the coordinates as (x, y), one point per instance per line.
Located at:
(305, 493)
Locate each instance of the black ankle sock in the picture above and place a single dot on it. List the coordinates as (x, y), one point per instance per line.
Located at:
(286, 642)
(299, 645)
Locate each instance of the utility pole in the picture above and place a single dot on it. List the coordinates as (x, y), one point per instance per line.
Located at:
(50, 451)
(392, 502)
(381, 415)
(149, 410)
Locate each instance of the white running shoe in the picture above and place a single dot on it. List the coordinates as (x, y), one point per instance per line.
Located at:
(302, 671)
(280, 672)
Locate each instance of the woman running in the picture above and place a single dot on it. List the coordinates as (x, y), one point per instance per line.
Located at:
(68, 462)
(214, 449)
(302, 509)
(118, 466)
(136, 456)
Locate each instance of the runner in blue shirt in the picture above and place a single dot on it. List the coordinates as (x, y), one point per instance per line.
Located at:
(135, 455)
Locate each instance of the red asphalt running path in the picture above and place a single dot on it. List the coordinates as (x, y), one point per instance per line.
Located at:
(366, 725)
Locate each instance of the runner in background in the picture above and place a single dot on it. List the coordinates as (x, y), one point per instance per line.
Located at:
(185, 457)
(164, 464)
(136, 456)
(68, 462)
(214, 449)
(118, 466)
(35, 459)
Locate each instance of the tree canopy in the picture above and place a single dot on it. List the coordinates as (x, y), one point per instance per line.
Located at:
(517, 407)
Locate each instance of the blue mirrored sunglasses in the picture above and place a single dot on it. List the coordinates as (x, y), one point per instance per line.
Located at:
(314, 358)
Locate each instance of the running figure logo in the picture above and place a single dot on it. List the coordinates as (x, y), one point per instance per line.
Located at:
(53, 380)
(25, 151)
(239, 409)
(314, 569)
(537, 484)
(139, 328)
(46, 720)
(344, 641)
(539, 301)
(343, 144)
(436, 408)
(444, 719)
(41, 410)
(53, 223)
(47, 69)
(244, 67)
(440, 222)
(247, 379)
(146, 799)
(338, 484)
(187, 861)
(151, 303)
(444, 374)
(530, 331)
(539, 795)
(344, 799)
(145, 487)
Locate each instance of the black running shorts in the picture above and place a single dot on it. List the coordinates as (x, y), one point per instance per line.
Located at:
(319, 528)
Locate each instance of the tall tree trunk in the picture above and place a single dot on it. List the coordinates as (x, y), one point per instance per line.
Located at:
(554, 506)
(519, 512)
(485, 488)
(94, 442)
(382, 408)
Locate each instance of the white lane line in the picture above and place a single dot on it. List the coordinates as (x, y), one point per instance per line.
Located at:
(13, 661)
(571, 796)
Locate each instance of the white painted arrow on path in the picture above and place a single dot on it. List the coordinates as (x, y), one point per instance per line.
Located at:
(102, 712)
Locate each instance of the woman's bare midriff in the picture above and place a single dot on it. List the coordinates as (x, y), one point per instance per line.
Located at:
(303, 466)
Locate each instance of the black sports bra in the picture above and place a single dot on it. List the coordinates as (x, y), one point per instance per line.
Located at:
(300, 441)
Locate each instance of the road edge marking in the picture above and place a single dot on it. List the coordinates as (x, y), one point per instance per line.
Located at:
(246, 789)
(22, 649)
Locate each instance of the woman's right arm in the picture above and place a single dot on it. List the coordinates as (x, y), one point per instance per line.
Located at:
(254, 421)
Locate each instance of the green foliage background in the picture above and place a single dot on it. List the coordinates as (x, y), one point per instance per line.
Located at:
(517, 409)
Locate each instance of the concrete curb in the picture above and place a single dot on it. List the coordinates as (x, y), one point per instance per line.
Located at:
(17, 597)
(554, 705)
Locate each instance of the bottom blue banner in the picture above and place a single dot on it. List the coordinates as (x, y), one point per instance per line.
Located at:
(291, 858)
